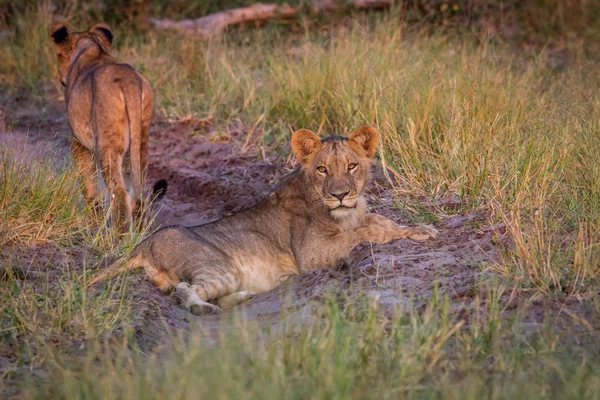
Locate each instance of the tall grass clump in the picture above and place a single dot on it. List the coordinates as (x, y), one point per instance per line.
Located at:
(41, 203)
(51, 244)
(47, 310)
(501, 131)
(28, 56)
(38, 202)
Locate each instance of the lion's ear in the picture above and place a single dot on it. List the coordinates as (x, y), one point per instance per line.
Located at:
(305, 145)
(105, 34)
(364, 141)
(59, 32)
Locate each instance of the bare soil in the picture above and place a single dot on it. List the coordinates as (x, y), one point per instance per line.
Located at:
(210, 177)
(212, 174)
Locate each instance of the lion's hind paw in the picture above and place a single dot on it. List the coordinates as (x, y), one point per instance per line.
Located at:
(192, 302)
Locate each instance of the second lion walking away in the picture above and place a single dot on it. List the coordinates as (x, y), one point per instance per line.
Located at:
(110, 108)
(312, 220)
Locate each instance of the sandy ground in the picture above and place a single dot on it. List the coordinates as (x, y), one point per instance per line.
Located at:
(210, 178)
(213, 174)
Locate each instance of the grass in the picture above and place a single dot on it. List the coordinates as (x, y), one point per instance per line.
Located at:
(51, 245)
(34, 212)
(40, 204)
(42, 313)
(28, 55)
(45, 313)
(511, 134)
(349, 352)
(501, 131)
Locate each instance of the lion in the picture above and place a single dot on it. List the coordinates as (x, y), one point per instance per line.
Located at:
(312, 220)
(110, 108)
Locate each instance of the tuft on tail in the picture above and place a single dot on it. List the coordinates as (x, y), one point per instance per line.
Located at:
(159, 189)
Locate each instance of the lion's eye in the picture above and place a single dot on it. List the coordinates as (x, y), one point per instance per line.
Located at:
(322, 169)
(351, 166)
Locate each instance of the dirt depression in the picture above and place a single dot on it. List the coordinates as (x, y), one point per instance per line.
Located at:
(214, 173)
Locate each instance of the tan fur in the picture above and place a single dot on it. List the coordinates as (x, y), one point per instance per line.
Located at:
(110, 108)
(313, 219)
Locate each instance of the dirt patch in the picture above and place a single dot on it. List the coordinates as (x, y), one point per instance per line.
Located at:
(211, 175)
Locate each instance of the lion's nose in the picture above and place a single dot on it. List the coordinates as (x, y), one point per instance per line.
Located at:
(340, 196)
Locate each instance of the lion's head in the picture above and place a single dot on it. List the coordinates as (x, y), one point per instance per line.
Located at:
(71, 47)
(337, 167)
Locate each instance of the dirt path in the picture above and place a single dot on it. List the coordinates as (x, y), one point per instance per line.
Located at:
(210, 176)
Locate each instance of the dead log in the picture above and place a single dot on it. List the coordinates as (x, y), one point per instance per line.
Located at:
(215, 24)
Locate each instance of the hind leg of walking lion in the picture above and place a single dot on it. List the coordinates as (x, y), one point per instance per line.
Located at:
(312, 220)
(110, 107)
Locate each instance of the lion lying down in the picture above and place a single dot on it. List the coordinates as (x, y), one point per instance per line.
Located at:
(312, 220)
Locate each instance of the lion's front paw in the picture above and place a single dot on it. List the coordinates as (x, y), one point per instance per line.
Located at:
(423, 232)
(384, 230)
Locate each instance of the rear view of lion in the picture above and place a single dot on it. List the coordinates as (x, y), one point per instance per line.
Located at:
(312, 220)
(110, 107)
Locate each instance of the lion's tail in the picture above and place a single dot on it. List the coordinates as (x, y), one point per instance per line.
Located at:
(133, 104)
(135, 260)
(141, 256)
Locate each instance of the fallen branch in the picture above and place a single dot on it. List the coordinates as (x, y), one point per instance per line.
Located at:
(215, 24)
